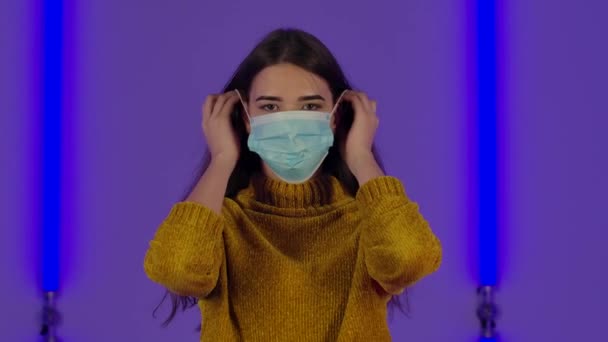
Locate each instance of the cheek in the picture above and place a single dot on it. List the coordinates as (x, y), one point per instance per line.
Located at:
(253, 111)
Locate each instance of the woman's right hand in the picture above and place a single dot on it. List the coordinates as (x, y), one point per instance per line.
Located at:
(222, 141)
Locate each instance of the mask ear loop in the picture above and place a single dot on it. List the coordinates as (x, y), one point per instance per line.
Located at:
(243, 103)
(337, 103)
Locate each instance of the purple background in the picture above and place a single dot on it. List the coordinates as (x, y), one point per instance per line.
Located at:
(142, 69)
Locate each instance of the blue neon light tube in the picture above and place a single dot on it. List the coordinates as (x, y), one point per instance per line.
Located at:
(487, 126)
(52, 57)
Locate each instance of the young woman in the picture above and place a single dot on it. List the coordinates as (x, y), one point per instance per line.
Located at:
(292, 232)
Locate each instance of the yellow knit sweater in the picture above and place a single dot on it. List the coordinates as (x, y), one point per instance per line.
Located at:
(295, 262)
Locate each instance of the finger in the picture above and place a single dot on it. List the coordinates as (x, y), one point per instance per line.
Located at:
(225, 103)
(366, 102)
(372, 111)
(232, 99)
(374, 114)
(219, 104)
(208, 106)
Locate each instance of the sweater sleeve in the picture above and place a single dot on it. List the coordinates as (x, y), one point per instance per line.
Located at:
(398, 244)
(187, 250)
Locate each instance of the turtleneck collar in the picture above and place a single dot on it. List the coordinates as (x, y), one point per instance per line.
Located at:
(317, 192)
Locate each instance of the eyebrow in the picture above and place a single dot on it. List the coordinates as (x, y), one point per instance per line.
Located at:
(300, 99)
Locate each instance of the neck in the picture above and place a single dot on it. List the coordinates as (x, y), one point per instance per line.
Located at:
(318, 191)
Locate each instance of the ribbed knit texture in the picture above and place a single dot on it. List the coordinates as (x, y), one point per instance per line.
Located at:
(296, 262)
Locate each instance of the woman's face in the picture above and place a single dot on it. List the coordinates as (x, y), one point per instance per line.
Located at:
(286, 87)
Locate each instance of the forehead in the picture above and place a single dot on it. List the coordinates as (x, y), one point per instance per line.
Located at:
(288, 81)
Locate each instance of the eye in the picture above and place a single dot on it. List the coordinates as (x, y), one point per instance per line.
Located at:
(269, 107)
(311, 106)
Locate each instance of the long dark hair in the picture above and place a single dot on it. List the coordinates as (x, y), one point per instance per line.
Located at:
(302, 49)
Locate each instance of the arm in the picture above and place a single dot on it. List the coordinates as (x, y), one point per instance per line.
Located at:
(187, 250)
(399, 246)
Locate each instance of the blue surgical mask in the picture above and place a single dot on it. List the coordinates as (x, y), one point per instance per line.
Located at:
(292, 143)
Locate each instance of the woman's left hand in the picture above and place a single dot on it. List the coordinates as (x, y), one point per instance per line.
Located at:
(357, 149)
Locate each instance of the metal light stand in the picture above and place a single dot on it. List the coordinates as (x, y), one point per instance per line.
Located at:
(50, 318)
(487, 311)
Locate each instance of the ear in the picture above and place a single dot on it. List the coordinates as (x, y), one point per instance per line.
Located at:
(243, 112)
(334, 121)
(337, 116)
(246, 122)
(245, 118)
